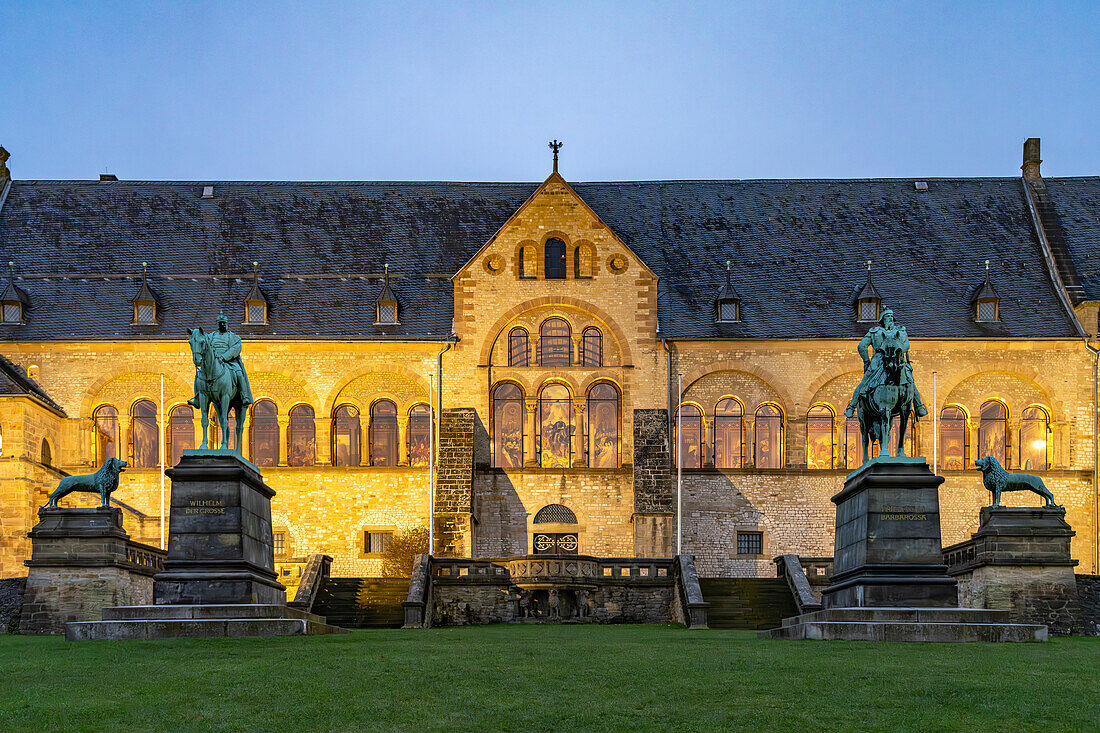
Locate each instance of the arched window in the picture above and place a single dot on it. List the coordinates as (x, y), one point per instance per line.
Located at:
(690, 440)
(181, 432)
(583, 259)
(551, 542)
(144, 435)
(527, 263)
(992, 429)
(47, 453)
(263, 435)
(508, 418)
(555, 514)
(591, 347)
(106, 433)
(419, 435)
(383, 433)
(345, 436)
(768, 437)
(555, 343)
(519, 348)
(954, 439)
(853, 443)
(603, 426)
(555, 427)
(729, 432)
(910, 437)
(819, 437)
(555, 259)
(303, 437)
(1035, 448)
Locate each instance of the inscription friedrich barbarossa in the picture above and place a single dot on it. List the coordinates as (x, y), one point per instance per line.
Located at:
(903, 513)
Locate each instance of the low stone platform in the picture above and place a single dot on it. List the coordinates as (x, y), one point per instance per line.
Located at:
(906, 624)
(203, 621)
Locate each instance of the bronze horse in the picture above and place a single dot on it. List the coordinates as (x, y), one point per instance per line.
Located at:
(879, 404)
(215, 384)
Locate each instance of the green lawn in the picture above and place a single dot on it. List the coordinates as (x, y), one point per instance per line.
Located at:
(546, 678)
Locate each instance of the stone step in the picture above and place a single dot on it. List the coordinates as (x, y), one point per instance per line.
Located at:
(747, 603)
(219, 611)
(191, 628)
(902, 615)
(908, 631)
(363, 602)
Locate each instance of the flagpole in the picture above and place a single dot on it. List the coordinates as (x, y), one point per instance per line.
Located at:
(163, 431)
(431, 463)
(679, 464)
(935, 427)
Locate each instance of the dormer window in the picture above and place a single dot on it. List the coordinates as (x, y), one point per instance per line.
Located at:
(255, 304)
(868, 301)
(13, 301)
(987, 304)
(385, 306)
(727, 306)
(145, 303)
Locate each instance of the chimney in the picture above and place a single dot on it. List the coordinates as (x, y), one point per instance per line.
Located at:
(1031, 158)
(5, 174)
(108, 177)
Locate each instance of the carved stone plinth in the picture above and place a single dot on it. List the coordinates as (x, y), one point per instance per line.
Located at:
(887, 547)
(219, 536)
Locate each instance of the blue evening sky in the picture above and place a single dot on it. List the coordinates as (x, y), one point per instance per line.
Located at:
(473, 91)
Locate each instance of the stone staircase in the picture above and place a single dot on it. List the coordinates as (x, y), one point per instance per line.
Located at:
(747, 603)
(362, 603)
(906, 624)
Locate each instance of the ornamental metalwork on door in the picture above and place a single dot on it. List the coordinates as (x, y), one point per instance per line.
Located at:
(555, 543)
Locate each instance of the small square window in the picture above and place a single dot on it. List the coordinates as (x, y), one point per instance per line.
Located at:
(387, 313)
(868, 310)
(728, 310)
(376, 542)
(145, 313)
(987, 310)
(750, 543)
(279, 543)
(13, 312)
(257, 313)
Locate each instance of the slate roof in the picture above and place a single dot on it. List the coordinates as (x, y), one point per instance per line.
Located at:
(1077, 204)
(799, 250)
(14, 381)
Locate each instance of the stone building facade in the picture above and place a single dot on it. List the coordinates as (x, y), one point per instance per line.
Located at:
(538, 335)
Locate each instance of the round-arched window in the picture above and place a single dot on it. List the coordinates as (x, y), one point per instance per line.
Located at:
(508, 418)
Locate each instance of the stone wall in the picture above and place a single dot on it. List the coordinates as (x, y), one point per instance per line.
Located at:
(11, 601)
(1088, 598)
(57, 595)
(1034, 594)
(653, 482)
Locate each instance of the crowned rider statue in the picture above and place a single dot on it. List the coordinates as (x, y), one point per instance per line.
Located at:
(227, 348)
(888, 389)
(220, 379)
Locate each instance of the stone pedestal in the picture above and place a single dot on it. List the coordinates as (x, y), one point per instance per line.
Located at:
(219, 537)
(1019, 561)
(887, 548)
(219, 577)
(82, 561)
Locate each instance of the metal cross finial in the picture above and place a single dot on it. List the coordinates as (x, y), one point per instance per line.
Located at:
(868, 265)
(987, 265)
(556, 145)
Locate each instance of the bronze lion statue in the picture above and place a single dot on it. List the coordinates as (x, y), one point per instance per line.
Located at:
(998, 480)
(102, 482)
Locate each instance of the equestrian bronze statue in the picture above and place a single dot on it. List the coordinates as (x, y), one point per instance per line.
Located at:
(887, 389)
(220, 379)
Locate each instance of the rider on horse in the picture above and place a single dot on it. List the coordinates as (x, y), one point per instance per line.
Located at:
(879, 338)
(227, 348)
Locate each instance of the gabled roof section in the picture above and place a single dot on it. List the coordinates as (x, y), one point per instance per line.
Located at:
(14, 381)
(12, 291)
(255, 294)
(727, 291)
(145, 294)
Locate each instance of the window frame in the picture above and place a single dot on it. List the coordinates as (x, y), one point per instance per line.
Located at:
(678, 427)
(828, 409)
(372, 432)
(782, 436)
(169, 434)
(134, 418)
(514, 334)
(756, 535)
(409, 427)
(1048, 437)
(365, 545)
(560, 265)
(568, 339)
(356, 439)
(985, 423)
(718, 422)
(96, 430)
(598, 338)
(292, 429)
(264, 420)
(588, 411)
(544, 406)
(494, 420)
(964, 419)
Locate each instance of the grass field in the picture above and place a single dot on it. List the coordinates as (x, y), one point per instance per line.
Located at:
(552, 678)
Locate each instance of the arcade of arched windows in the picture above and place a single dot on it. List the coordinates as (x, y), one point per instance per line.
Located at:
(387, 434)
(554, 258)
(554, 341)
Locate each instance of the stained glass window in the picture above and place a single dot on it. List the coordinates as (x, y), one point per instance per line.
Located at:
(145, 440)
(555, 259)
(728, 434)
(555, 426)
(383, 434)
(768, 437)
(690, 443)
(508, 417)
(106, 433)
(555, 344)
(853, 443)
(302, 440)
(819, 437)
(419, 435)
(603, 426)
(954, 439)
(591, 347)
(181, 432)
(519, 348)
(992, 429)
(345, 436)
(263, 435)
(1034, 439)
